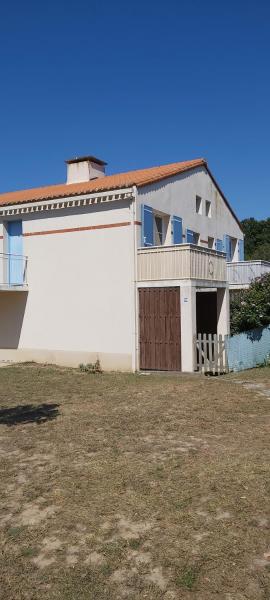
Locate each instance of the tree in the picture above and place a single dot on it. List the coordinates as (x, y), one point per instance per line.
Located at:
(250, 308)
(257, 239)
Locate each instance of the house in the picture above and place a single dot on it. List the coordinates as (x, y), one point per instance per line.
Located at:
(125, 268)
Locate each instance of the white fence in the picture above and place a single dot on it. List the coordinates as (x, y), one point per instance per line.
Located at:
(183, 261)
(240, 274)
(210, 354)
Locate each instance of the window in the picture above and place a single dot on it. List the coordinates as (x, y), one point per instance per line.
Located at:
(230, 247)
(241, 250)
(219, 245)
(198, 205)
(211, 242)
(208, 209)
(159, 229)
(192, 237)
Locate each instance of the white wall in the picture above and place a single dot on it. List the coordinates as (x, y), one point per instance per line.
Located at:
(177, 196)
(81, 288)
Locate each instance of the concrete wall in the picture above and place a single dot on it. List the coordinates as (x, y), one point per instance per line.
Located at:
(249, 349)
(177, 196)
(80, 303)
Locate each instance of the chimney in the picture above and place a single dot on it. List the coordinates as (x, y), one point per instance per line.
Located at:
(84, 168)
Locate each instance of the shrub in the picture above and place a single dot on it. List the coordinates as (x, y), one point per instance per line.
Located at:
(251, 308)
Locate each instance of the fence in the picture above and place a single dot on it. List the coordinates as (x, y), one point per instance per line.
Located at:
(240, 274)
(249, 349)
(210, 354)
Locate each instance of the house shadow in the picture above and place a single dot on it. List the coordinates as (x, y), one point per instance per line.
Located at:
(28, 413)
(12, 311)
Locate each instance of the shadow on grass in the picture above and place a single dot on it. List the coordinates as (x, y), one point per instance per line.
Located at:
(28, 413)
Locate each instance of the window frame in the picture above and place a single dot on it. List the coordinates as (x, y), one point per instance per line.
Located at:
(208, 209)
(198, 204)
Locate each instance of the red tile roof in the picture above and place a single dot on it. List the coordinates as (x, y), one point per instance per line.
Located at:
(108, 182)
(138, 178)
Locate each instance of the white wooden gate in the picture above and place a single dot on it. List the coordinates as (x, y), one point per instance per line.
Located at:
(210, 354)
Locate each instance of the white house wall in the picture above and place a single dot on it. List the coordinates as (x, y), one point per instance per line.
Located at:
(80, 304)
(177, 196)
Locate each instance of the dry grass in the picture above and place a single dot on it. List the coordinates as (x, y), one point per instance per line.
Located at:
(122, 486)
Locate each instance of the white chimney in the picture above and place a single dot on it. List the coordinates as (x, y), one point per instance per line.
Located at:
(84, 168)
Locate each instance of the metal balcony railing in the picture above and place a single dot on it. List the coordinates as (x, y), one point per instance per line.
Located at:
(13, 271)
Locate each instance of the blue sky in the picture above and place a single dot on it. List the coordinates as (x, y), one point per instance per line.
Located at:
(137, 84)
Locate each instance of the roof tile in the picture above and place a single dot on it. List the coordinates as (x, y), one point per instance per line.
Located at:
(139, 178)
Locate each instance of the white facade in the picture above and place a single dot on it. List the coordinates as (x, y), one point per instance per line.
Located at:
(81, 300)
(80, 303)
(177, 196)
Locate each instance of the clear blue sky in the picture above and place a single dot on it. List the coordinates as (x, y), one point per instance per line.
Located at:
(137, 83)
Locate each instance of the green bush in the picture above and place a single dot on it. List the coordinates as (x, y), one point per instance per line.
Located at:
(251, 308)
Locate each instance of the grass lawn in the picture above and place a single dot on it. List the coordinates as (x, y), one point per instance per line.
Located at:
(133, 486)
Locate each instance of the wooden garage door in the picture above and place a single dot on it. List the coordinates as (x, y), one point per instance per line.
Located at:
(160, 335)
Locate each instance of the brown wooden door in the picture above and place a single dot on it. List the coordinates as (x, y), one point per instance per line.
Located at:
(160, 334)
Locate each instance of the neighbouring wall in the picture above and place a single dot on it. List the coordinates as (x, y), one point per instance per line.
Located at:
(249, 349)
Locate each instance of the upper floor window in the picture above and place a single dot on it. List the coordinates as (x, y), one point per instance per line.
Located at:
(159, 229)
(219, 245)
(192, 237)
(155, 227)
(198, 205)
(208, 209)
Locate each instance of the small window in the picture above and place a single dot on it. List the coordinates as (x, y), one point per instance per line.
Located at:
(159, 228)
(198, 205)
(208, 209)
(196, 238)
(211, 242)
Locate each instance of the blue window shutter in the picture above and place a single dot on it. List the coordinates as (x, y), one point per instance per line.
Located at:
(147, 226)
(241, 255)
(189, 236)
(219, 245)
(227, 247)
(177, 232)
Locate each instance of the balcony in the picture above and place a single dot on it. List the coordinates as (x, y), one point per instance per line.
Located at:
(240, 274)
(183, 261)
(13, 272)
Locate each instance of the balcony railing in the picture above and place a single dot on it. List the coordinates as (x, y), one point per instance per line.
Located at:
(240, 274)
(183, 261)
(13, 272)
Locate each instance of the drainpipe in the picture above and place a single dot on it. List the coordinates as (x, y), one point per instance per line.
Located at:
(135, 353)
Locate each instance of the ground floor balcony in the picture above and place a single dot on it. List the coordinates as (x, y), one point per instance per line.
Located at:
(13, 272)
(179, 262)
(241, 274)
